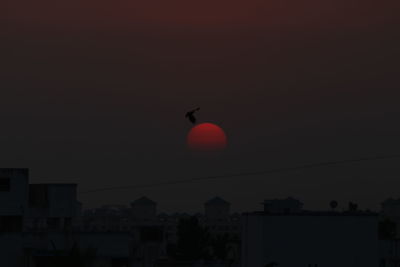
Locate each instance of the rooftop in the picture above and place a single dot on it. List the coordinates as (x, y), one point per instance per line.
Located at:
(314, 213)
(10, 171)
(391, 201)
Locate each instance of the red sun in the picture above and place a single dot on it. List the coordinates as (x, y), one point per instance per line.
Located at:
(207, 137)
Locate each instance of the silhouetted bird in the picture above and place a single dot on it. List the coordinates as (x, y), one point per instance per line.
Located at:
(190, 115)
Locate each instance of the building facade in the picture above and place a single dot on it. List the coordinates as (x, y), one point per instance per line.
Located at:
(310, 239)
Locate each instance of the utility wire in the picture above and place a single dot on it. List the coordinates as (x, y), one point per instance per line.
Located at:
(244, 174)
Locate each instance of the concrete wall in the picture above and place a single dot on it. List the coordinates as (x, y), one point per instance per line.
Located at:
(389, 252)
(63, 200)
(52, 205)
(11, 250)
(15, 201)
(296, 240)
(116, 245)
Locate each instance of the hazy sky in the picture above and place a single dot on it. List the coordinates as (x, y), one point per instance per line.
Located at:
(95, 92)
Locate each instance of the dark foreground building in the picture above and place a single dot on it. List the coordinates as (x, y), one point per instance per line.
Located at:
(310, 239)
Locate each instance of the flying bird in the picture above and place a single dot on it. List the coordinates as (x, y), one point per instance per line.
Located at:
(191, 117)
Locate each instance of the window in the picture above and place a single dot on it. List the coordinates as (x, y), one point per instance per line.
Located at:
(67, 223)
(38, 196)
(286, 210)
(10, 224)
(151, 233)
(4, 184)
(53, 223)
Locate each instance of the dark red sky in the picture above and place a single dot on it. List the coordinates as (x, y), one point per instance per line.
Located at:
(95, 92)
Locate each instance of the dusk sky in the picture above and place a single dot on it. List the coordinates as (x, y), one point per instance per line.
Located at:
(95, 93)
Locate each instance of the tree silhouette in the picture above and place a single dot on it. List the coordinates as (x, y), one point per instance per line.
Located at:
(220, 246)
(74, 257)
(353, 207)
(192, 240)
(333, 204)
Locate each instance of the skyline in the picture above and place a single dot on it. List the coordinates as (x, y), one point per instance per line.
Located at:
(253, 174)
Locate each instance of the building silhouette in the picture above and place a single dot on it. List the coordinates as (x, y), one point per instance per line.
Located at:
(40, 222)
(144, 210)
(293, 237)
(286, 206)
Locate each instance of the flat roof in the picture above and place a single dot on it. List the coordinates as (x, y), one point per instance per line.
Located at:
(56, 184)
(18, 170)
(315, 213)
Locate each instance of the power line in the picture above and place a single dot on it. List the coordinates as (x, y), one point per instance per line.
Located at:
(243, 174)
